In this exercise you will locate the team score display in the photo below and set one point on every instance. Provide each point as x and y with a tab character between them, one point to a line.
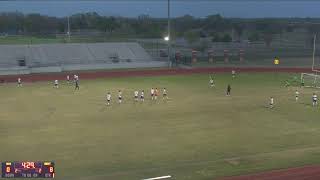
27	169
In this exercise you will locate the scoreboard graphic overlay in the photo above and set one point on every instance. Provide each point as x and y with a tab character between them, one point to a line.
27	169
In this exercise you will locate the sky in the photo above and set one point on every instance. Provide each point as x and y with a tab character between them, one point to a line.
158	8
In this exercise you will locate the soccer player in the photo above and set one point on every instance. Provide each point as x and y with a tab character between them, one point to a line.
68	79
314	99
271	102
164	93
297	95
287	83
156	93
228	90
211	82
233	72
108	98
142	96
302	82
76	82
152	93
56	83
120	96
19	82
136	94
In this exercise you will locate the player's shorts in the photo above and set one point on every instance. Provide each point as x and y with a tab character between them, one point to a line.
315	100
141	97
152	94
120	98
55	84
271	104
108	100
136	97
164	94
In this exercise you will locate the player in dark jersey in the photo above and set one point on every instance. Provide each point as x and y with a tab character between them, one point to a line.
228	90
76	85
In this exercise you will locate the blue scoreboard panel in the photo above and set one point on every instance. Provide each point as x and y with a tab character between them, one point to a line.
28	169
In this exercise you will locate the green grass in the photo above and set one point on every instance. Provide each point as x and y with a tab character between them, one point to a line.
199	134
61	39
29	40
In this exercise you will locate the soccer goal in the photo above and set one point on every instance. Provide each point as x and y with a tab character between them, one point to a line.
310	80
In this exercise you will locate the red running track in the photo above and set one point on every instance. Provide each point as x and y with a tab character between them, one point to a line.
301	173
135	73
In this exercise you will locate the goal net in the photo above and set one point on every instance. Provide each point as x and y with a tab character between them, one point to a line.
310	80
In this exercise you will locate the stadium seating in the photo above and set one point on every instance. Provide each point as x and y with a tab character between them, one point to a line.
11	55
44	55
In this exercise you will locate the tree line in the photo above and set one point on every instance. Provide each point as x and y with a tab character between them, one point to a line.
218	28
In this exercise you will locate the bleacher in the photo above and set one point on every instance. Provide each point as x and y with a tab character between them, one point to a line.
42	55
11	55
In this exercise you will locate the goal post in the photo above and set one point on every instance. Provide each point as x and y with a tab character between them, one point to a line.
313	68
310	80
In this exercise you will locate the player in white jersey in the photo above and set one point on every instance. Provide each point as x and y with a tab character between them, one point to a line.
271	104
297	95
75	78
142	96
56	83
314	99
120	96
233	72
19	82
152	93
211	82
68	79
136	94
164	93
108	98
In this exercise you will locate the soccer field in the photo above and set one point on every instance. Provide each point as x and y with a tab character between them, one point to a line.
198	134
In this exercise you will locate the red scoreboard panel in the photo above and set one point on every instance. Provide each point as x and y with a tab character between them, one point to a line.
28	169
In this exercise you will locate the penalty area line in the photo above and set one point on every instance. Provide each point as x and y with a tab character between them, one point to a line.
160	177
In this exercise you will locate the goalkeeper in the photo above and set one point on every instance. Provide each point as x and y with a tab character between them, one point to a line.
287	83
302	82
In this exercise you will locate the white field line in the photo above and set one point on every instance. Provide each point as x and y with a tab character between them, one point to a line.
160	177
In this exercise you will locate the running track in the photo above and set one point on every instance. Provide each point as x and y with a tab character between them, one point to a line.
300	173
137	73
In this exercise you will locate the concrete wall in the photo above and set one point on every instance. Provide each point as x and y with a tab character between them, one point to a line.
81	67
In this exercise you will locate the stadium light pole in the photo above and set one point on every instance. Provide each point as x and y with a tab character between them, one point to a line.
169	37
314	50
68	29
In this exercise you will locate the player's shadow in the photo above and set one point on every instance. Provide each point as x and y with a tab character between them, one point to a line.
306	104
